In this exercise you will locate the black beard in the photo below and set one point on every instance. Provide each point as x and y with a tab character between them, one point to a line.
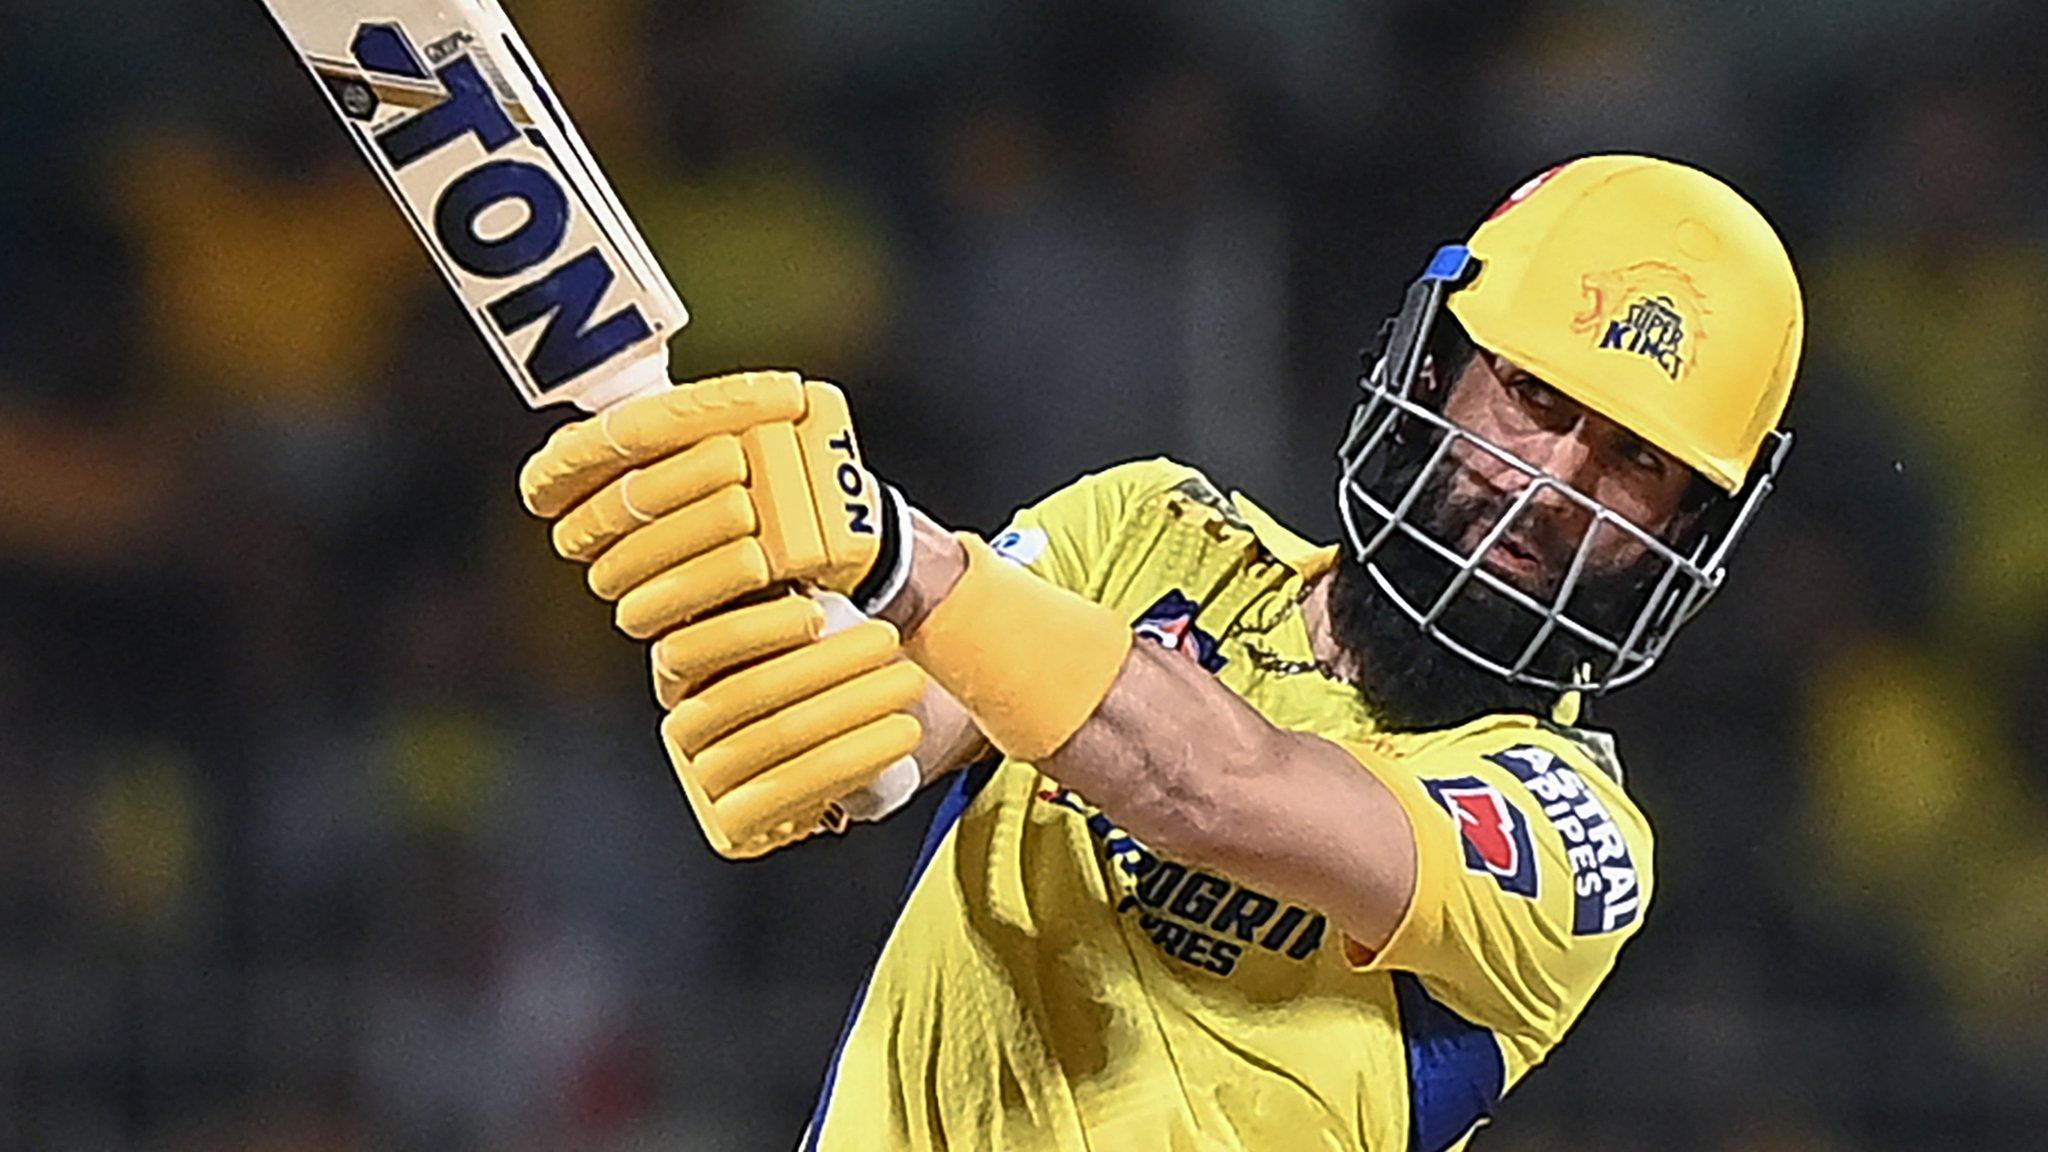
1410	682
1414	683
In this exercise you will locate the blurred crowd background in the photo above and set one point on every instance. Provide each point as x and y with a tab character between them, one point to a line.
332	815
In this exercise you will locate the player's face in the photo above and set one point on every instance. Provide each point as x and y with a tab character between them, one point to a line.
1509	407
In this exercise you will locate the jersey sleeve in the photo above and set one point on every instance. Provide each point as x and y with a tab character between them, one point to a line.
1533	870
1069	536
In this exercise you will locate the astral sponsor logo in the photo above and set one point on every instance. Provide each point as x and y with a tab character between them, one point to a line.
1606	890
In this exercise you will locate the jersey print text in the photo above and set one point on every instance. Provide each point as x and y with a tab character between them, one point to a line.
1199	919
1607	897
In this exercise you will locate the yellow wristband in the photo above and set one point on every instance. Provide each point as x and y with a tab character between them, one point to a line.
1030	660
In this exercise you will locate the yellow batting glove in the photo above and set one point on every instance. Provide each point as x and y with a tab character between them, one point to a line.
778	750
583	457
692	499
696	509
692	656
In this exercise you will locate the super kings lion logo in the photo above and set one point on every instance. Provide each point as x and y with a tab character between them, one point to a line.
1651	310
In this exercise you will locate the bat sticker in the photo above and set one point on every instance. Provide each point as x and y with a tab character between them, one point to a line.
447	105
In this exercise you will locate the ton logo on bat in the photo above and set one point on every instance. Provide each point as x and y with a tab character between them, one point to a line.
567	296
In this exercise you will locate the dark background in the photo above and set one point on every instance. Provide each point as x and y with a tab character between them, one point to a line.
332	815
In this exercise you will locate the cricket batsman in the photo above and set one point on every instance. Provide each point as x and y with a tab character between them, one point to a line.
1248	843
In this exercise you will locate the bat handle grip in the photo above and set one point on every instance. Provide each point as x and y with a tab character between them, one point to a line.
641	377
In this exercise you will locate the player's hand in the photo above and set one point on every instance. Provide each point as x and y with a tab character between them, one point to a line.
700	496
795	726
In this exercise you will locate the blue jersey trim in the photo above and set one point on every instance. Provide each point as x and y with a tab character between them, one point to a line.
966	787
1456	1074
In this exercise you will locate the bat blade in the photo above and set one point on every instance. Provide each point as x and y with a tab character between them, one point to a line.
446	103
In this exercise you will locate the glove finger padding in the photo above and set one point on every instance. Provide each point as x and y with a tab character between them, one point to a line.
780	683
642	496
820	510
780	779
778	484
643	488
681	536
783	735
715	645
581	458
725	574
796	799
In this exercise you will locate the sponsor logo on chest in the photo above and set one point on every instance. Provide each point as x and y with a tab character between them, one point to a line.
1171	624
1204	921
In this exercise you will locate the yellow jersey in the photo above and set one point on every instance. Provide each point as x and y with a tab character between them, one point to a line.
1053	984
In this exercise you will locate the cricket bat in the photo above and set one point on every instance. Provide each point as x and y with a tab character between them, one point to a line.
454	116
449	108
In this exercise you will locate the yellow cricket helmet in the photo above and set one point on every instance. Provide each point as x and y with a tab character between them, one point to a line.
1650	292
1653	294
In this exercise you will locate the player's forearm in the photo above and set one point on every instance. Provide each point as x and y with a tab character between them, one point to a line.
936	565
1187	766
951	741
